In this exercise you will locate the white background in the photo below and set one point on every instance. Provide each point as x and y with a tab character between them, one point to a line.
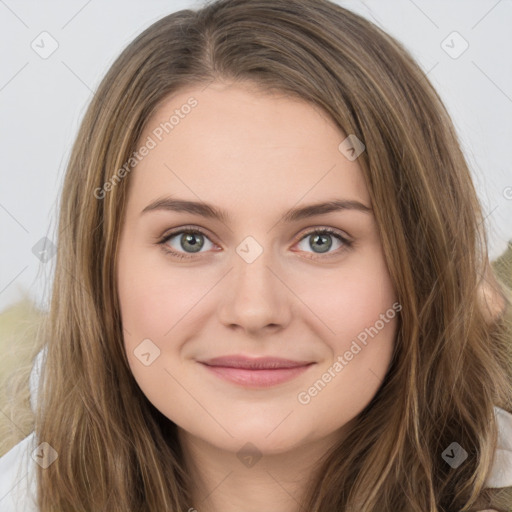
42	102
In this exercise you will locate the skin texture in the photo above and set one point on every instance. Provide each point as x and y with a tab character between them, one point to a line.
255	155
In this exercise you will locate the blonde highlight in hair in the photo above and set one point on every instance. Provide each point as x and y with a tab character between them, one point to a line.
452	359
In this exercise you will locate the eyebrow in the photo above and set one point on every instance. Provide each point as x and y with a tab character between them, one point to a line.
295	214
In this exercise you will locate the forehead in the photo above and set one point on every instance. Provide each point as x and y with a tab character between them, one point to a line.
233	144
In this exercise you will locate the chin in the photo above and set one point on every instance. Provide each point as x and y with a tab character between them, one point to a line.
268	437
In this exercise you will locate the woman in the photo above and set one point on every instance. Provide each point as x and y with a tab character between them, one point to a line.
201	354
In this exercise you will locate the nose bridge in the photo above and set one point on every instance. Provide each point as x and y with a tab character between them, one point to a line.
256	297
251	270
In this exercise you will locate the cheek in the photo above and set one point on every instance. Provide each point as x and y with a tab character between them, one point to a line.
351	299
142	313
359	315
364	316
150	307
157	307
140	302
152	298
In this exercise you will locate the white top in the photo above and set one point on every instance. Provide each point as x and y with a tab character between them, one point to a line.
17	466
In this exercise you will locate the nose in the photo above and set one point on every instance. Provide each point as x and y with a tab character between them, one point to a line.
254	297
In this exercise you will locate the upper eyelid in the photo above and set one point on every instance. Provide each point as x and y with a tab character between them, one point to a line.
186	229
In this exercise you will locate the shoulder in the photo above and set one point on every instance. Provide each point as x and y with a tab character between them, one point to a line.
18	478
501	473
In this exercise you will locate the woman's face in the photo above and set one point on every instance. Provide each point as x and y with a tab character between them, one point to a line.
256	282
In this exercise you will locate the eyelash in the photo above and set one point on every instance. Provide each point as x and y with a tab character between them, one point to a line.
163	242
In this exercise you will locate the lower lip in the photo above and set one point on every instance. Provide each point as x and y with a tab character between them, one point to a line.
257	378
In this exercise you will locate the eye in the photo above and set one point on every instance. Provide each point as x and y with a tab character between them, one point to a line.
322	239
190	240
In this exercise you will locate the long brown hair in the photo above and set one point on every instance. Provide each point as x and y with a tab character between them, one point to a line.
452	361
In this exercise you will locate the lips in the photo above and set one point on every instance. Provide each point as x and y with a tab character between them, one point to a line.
259	363
259	372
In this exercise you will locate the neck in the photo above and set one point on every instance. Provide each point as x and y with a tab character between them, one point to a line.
249	480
